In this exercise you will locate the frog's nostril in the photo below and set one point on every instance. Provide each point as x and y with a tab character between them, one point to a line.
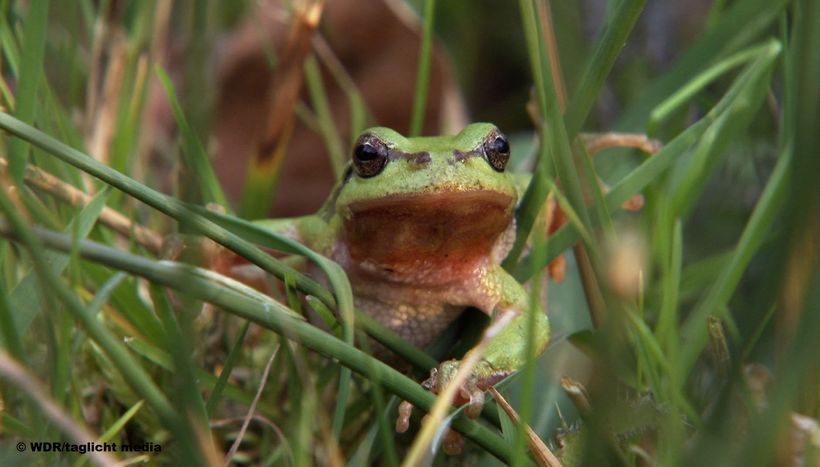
419	158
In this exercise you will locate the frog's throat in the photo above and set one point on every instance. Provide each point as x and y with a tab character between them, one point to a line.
443	233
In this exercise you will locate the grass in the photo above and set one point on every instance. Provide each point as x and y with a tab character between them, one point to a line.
710	348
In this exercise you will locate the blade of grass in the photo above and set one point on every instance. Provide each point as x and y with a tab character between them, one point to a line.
197	164
27	290
127	299
618	26
666	328
672	103
8	42
559	148
104	293
31	71
423	75
112	430
537	190
693	332
178	338
528	382
227	368
9	334
327	128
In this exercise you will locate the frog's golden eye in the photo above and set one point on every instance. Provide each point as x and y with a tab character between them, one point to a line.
497	151
369	156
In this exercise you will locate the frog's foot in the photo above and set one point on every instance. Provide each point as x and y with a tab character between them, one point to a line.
470	394
440	377
207	254
452	443
597	142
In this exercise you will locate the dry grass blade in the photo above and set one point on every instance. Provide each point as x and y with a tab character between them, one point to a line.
545	15
542	454
577	393
119	223
287	80
251	410
101	132
597	142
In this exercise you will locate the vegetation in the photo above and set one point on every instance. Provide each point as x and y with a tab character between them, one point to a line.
696	316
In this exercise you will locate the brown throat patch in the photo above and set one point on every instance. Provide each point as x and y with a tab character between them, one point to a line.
450	231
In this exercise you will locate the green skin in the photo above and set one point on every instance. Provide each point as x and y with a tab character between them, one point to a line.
424	238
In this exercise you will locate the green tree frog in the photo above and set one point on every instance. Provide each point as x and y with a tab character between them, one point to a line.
421	226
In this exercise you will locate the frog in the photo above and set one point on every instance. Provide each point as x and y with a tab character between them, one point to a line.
421	226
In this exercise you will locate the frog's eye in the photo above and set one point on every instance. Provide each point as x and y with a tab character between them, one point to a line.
497	152
369	156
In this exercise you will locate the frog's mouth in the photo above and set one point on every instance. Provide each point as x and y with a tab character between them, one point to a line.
444	230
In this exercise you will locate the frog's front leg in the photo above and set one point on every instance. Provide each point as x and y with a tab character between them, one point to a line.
206	253
503	348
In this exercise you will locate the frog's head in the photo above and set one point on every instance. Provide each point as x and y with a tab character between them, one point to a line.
405	199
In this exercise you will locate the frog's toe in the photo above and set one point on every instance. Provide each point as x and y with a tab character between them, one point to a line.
403	417
453	443
475	399
470	392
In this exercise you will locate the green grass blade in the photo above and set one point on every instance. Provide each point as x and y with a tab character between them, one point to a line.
178	337
31	72
693	331
618	26
8	42
327	128
553	135
700	81
227	368
27	290
666	328
112	430
9	334
423	75
538	189
196	162
104	293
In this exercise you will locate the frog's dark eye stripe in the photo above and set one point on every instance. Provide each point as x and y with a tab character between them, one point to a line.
369	156
497	151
